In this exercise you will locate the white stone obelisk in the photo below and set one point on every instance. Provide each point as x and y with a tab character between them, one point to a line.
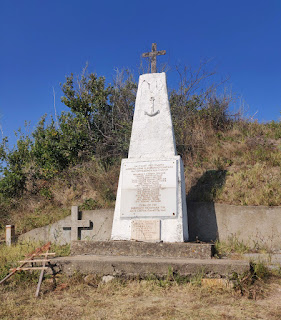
151	200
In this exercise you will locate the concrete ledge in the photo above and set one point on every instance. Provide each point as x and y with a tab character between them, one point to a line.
273	261
143	249
145	266
256	226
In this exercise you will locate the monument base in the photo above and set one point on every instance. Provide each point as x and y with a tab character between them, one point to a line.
151	204
141	260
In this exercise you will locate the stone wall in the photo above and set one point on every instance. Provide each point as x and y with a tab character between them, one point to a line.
99	230
207	222
251	224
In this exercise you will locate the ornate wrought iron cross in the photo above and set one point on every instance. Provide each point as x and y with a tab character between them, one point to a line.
152	55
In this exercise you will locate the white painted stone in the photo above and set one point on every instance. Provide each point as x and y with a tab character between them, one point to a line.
145	230
152	132
173	229
152	142
10	234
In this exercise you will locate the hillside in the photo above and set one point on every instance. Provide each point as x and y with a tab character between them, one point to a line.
75	159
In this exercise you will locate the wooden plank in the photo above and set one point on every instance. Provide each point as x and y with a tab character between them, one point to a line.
40	279
39	250
13	271
30	256
29	268
48	254
34	261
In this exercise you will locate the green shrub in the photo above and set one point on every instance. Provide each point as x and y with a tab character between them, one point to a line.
90	204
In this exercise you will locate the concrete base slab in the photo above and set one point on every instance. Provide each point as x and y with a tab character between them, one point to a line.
143	249
145	266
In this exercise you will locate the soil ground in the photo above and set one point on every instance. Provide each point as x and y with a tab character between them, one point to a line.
75	299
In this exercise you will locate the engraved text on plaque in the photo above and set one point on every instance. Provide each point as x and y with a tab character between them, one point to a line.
145	230
150	188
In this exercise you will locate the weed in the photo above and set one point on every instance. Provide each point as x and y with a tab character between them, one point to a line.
60	250
196	279
251	283
174	278
90	204
232	245
259	270
46	192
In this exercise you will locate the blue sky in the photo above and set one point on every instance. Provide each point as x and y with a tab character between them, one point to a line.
42	41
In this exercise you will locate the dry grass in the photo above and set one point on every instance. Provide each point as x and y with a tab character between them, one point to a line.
240	166
254	185
73	299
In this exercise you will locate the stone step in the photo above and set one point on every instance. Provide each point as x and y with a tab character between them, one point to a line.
271	260
143	249
146	266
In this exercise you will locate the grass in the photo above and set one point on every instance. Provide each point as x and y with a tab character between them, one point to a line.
9	256
231	246
235	248
73	299
240	166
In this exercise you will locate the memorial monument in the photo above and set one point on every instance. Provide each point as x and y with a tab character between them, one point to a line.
151	200
150	206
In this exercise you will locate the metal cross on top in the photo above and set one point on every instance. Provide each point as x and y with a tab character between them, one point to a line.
152	55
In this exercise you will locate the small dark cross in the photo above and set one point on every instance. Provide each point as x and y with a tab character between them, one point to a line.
152	55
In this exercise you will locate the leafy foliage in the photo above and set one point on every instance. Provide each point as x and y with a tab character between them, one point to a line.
16	159
98	126
54	149
105	112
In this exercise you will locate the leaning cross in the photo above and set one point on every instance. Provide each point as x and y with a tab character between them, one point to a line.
152	55
75	224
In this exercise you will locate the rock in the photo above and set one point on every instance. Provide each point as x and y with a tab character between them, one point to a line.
91	280
106	279
219	283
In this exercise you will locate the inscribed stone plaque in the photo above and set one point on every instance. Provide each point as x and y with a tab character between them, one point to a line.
145	230
149	189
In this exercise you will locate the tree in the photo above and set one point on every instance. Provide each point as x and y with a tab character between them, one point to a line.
106	110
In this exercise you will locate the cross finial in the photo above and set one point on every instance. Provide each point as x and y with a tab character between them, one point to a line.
152	55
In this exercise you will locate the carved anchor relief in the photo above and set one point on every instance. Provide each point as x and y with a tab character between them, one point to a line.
152	114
